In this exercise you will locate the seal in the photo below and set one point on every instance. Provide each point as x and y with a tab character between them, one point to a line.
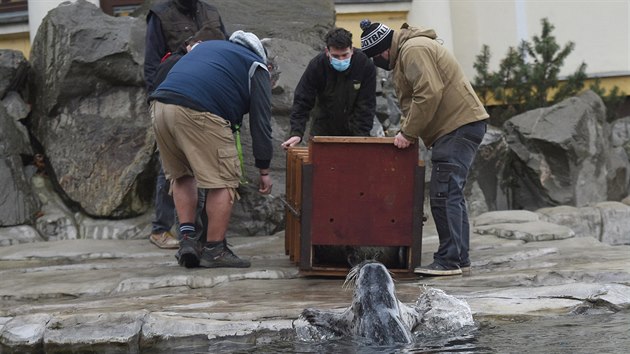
375	315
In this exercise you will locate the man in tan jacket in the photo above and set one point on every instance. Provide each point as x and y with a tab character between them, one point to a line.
439	106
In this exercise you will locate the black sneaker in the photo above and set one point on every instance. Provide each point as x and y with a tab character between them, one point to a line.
220	256
437	269
189	251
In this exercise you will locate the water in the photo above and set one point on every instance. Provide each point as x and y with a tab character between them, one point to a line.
604	333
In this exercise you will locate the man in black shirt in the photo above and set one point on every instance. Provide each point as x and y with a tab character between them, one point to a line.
337	89
169	24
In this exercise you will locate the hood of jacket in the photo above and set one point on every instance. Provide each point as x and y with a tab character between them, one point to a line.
405	33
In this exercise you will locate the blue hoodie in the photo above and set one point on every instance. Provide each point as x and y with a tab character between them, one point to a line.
228	80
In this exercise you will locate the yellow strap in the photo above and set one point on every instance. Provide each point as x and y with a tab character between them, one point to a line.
239	149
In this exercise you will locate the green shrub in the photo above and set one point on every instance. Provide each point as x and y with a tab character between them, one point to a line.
528	77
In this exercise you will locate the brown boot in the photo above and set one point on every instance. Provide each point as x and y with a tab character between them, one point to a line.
164	240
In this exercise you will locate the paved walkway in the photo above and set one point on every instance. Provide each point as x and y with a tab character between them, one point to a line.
98	292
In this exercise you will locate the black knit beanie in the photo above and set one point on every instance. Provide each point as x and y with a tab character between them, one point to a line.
376	38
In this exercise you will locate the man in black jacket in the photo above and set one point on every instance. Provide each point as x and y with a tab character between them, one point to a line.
169	24
338	89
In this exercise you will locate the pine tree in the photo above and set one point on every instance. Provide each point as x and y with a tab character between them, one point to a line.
483	80
529	74
612	100
547	60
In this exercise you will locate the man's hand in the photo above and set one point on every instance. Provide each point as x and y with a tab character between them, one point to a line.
294	140
265	184
401	142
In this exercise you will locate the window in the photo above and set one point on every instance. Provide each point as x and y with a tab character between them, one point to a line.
13	5
120	7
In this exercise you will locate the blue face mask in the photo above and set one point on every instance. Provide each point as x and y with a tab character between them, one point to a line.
340	65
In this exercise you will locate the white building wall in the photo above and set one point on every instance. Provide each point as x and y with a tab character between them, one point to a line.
434	14
600	30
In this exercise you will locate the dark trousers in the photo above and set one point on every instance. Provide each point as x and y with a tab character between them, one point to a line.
165	215
452	155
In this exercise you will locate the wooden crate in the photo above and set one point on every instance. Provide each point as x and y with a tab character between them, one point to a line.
296	158
353	193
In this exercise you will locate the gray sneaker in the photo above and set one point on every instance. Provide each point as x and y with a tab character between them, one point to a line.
436	269
221	256
189	251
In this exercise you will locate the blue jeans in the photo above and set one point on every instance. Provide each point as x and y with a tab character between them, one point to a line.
452	155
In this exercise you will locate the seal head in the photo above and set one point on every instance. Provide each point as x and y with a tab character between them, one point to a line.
378	312
375	316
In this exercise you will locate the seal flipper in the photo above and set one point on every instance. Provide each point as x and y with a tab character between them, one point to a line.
336	322
410	315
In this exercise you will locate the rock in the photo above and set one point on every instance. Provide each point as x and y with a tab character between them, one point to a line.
125	229
476	202
505	216
541	298
618	178
620	132
19	234
519	256
18	110
162	328
3	321
488	171
309	19
619	163
89	109
377	128
291	58
13	69
24	331
602	298
527	231
256	214
585	221
91	281
558	154
304	21
56	220
85	332
606	221
18	204
387	110
615	223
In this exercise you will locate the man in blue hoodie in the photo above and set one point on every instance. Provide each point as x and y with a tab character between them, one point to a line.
195	112
169	24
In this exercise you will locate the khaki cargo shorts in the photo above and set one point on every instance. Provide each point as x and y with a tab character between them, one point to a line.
198	144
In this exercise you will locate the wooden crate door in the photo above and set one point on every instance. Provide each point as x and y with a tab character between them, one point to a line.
362	192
